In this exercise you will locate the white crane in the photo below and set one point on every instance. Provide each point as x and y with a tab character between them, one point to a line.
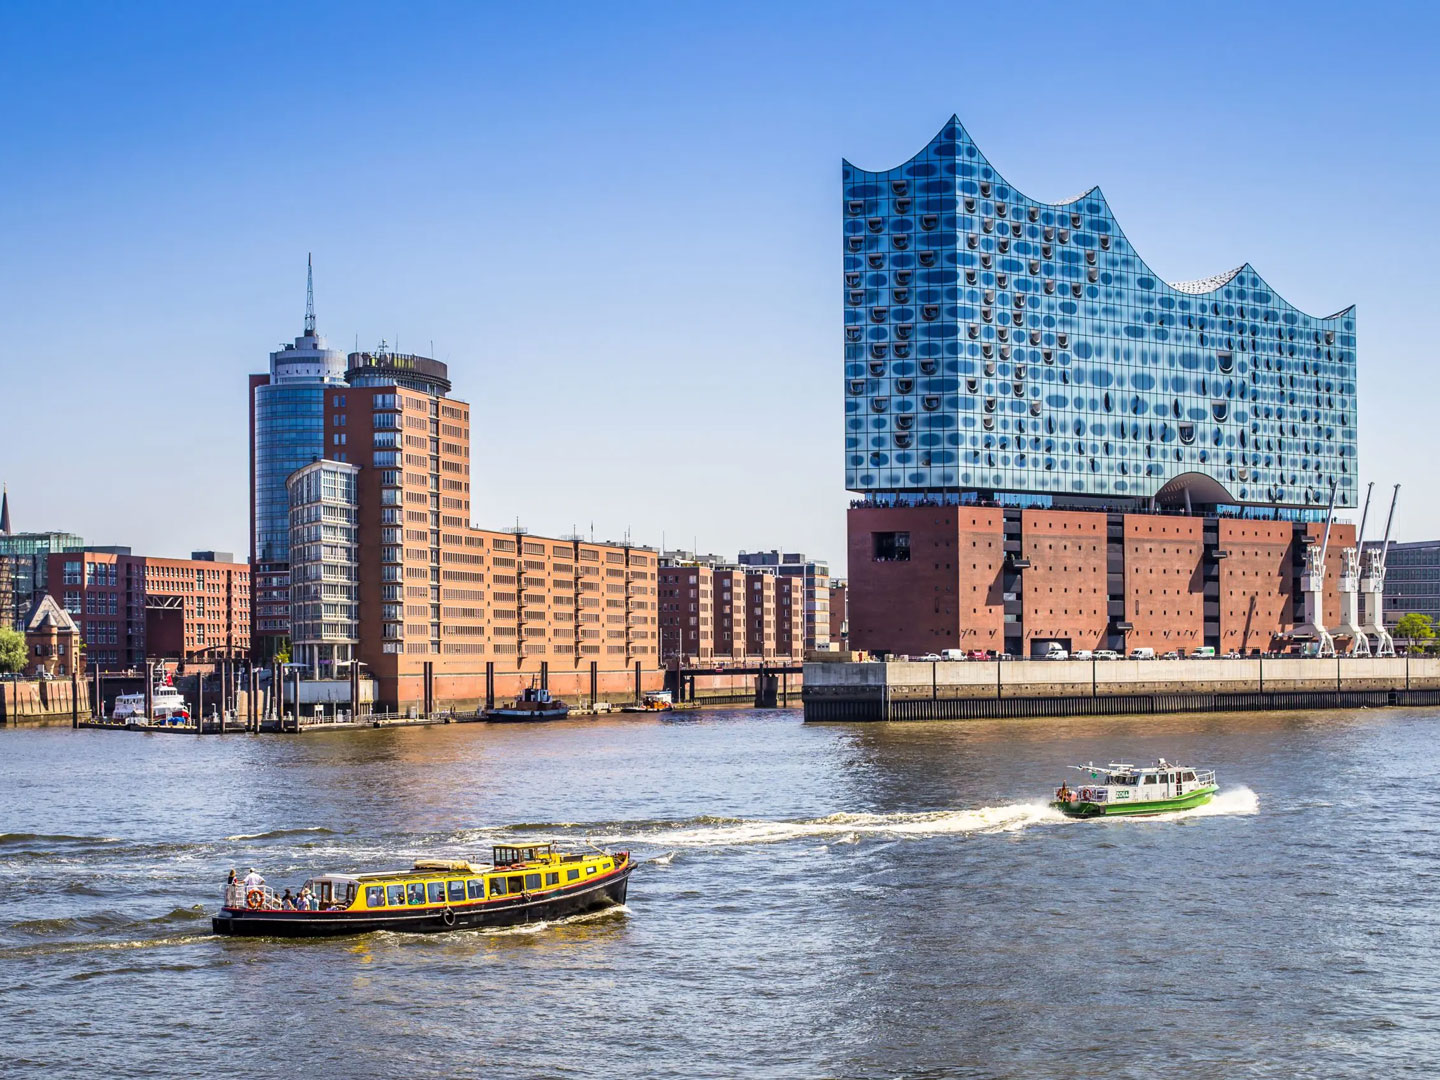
1372	587
1312	586
1350	588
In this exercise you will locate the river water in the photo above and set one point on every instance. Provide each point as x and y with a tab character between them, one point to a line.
890	900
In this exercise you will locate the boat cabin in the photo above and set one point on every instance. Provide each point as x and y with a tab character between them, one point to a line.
1122	782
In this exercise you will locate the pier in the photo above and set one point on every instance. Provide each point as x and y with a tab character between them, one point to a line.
973	690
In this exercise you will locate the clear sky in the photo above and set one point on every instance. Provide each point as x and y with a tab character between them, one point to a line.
619	225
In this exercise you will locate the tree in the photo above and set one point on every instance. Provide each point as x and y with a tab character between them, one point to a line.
1415	627
12	650
282	651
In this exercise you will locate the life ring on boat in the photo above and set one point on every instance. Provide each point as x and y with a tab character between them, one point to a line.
1086	795
447	917
255	899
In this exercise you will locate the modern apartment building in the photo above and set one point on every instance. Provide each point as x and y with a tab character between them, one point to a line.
1412	579
24	566
815	576
710	611
287	431
131	608
324	597
1051	444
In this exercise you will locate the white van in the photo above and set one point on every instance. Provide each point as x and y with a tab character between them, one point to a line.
952	654
1054	651
1205	652
1142	654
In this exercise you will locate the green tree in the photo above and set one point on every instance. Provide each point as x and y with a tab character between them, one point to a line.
282	651
12	650
1415	628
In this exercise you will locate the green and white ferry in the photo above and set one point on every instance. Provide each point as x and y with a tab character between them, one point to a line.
1119	788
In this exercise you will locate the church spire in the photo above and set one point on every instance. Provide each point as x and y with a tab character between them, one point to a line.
309	297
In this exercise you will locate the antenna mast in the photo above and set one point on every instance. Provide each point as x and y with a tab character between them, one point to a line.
309	297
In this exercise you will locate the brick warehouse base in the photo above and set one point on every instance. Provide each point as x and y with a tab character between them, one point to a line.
980	690
927	578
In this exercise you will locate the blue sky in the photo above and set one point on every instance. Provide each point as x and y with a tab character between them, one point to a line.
619	225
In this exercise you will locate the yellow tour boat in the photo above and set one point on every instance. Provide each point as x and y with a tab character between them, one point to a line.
522	884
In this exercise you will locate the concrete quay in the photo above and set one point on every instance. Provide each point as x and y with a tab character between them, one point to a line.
964	690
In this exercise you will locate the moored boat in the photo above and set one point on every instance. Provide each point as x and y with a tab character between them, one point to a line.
535	703
167	706
653	701
522	884
1121	788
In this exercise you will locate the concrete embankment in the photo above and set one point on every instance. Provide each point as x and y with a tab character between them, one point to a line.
956	690
42	701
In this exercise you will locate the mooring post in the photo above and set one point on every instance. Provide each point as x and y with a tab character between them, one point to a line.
199	703
595	681
490	684
638	693
74	690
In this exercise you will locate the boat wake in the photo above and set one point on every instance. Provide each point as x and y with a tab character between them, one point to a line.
276	834
1239	800
838	828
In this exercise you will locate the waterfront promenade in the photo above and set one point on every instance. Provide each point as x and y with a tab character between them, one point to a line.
916	690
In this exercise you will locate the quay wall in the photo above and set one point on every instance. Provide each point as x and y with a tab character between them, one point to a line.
41	701
976	689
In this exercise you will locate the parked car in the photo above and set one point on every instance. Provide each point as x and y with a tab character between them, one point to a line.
1171	655
979	654
1232	655
1106	654
929	658
1082	654
1142	654
1004	656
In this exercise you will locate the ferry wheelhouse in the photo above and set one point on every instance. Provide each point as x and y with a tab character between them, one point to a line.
1121	788
522	884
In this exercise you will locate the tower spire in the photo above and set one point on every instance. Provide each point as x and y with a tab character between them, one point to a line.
309	296
5	512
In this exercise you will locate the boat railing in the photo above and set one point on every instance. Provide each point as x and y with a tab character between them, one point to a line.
1205	776
237	896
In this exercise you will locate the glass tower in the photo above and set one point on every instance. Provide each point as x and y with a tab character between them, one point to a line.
287	432
996	346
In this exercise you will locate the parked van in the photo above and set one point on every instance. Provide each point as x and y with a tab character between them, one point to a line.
1054	651
1142	654
1082	654
1205	652
952	654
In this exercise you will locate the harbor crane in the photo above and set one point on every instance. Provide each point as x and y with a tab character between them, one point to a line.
1372	587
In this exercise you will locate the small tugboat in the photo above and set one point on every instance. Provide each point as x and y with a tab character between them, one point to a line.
522	884
534	704
1119	788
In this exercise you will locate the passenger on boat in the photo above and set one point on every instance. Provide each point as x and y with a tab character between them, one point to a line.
230	881
287	902
253	880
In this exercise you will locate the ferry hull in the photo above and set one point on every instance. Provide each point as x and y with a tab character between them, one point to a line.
590	896
1136	809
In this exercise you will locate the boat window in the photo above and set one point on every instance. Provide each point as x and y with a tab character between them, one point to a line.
437	892
497	886
572	875
375	896
532	881
394	895
455	891
415	892
1170	778
1149	778
477	888
1188	775
552	879
589	869
516	884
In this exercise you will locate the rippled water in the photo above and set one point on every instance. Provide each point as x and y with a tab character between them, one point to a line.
847	901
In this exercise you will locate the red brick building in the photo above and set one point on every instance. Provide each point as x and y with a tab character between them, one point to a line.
926	578
133	607
732	613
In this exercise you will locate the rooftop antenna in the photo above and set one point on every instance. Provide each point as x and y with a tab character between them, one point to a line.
309	296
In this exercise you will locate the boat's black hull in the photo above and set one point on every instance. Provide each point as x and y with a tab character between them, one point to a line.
582	898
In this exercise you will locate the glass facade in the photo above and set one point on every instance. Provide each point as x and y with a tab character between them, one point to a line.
24	561
1412	579
289	434
997	344
324	605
